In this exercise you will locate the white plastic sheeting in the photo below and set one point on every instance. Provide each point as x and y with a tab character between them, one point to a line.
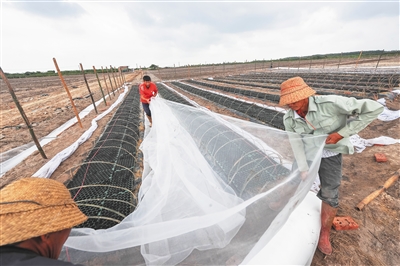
17	155
389	115
300	244
360	144
47	169
215	186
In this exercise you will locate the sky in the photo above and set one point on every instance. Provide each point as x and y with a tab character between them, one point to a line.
168	33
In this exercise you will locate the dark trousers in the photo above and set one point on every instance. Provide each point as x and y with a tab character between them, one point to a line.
330	175
146	108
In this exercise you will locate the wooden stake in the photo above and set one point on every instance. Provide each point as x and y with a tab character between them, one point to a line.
376	193
112	73
112	89
69	94
105	81
340	59
21	111
87	85
358	58
101	89
120	77
379	59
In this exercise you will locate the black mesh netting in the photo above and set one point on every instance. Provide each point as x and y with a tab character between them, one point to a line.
247	109
103	186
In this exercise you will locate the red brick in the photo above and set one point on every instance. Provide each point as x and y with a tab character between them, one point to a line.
380	157
344	223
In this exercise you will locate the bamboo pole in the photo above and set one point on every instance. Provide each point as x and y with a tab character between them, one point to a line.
376	193
340	59
123	76
112	88
21	111
87	85
69	94
101	89
113	78
112	73
379	59
358	58
116	77
175	71
120	77
105	81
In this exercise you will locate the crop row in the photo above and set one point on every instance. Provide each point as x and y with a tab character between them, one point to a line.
246	109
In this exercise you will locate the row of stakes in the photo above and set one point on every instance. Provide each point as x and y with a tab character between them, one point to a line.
120	77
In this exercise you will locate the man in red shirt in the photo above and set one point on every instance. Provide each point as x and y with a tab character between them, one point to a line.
147	90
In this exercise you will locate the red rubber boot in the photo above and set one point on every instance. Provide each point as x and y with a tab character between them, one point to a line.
328	213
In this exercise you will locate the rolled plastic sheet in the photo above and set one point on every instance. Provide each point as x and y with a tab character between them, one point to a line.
214	187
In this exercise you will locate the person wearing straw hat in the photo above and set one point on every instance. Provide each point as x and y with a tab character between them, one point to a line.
147	90
36	217
336	116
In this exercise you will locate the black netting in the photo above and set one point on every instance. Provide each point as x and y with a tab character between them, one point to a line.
103	186
247	109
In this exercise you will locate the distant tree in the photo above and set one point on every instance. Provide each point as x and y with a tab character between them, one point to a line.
153	67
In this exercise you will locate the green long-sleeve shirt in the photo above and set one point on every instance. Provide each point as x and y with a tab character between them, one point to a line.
329	114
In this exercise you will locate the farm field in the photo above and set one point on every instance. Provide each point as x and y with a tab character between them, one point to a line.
374	243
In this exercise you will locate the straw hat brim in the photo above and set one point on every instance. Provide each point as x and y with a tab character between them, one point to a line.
296	95
20	226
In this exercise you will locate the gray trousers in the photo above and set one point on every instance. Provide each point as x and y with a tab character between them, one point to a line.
330	175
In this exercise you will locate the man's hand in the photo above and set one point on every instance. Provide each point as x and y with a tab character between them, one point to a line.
333	138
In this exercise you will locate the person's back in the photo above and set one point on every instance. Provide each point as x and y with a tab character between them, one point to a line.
36	216
13	255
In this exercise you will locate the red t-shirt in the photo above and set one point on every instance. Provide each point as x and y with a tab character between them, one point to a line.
147	93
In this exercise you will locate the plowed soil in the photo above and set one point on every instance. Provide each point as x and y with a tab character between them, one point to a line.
47	106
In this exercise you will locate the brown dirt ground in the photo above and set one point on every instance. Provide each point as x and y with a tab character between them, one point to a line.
376	242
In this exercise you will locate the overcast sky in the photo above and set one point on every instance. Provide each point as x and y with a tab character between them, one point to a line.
141	33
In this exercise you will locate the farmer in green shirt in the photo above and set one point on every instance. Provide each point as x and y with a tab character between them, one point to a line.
336	116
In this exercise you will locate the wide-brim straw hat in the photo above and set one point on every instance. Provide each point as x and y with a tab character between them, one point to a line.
32	207
294	90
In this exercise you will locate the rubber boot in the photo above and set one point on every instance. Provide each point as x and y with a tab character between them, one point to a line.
151	122
328	213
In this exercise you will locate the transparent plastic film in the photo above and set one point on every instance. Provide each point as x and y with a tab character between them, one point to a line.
214	185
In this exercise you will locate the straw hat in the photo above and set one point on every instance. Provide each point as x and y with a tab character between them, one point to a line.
294	90
32	207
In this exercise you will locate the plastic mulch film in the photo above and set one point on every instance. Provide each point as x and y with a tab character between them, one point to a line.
213	186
